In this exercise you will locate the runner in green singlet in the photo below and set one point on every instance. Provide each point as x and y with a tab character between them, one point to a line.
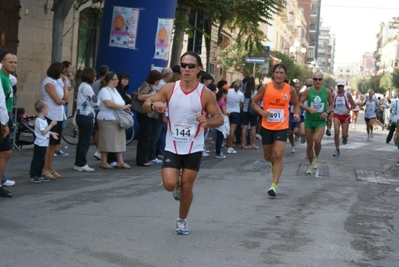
319	105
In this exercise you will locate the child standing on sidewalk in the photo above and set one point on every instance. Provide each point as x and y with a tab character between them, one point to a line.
42	133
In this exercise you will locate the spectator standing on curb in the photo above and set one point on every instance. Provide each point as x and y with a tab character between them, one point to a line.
394	116
9	65
42	134
234	104
102	70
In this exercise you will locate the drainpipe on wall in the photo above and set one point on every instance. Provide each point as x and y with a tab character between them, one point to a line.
317	31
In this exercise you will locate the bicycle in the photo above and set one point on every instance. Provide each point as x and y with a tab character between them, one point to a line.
70	134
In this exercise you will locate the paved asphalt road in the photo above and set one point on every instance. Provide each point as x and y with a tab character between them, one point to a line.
345	214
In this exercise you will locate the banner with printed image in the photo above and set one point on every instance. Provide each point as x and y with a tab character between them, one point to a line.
163	38
124	27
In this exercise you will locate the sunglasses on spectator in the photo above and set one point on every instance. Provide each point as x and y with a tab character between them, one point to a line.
317	79
308	85
189	65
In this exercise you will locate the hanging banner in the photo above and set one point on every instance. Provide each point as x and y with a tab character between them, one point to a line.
163	38
124	27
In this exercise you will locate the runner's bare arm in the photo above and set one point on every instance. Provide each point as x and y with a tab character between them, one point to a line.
256	100
304	97
157	102
353	104
212	108
294	100
330	101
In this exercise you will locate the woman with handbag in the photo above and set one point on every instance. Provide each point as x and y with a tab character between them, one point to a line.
146	121
86	101
111	136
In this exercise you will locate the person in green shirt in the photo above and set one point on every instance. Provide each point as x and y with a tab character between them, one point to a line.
319	105
9	65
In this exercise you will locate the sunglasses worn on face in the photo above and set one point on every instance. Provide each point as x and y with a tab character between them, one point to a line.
317	79
308	85
189	65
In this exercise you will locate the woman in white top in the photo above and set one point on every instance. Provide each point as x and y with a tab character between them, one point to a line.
56	96
111	136
86	101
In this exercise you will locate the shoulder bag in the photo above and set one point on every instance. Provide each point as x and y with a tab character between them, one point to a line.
124	118
137	105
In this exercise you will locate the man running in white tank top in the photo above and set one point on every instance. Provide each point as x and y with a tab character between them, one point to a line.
343	104
188	102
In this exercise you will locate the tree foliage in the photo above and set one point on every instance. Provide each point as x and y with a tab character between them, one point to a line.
243	16
329	81
385	82
395	78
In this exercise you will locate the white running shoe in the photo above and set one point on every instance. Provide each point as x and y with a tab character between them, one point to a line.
371	134
231	150
97	155
9	183
316	163
309	170
204	154
293	149
85	168
258	136
181	227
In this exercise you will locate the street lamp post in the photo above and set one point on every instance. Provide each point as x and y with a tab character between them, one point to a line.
296	50
313	66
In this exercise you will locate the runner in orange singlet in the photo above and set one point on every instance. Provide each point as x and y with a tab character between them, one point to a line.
276	96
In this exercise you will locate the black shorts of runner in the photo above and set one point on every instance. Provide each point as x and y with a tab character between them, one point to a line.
56	129
5	144
269	136
294	124
189	161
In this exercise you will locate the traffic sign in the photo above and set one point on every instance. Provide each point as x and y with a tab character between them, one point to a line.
256	60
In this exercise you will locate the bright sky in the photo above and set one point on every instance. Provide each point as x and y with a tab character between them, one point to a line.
355	24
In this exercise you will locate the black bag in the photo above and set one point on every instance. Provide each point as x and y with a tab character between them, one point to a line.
137	105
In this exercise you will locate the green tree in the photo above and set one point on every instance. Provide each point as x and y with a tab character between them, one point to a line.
374	83
243	16
385	82
329	81
395	78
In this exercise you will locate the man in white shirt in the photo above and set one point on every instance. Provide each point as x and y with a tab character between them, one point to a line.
235	101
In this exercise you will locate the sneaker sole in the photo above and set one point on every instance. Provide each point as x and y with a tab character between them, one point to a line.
271	193
181	232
